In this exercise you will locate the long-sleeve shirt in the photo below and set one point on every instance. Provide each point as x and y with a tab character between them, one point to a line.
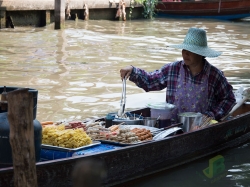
221	98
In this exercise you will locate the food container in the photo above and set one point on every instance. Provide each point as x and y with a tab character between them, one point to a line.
129	121
162	110
150	122
188	119
109	119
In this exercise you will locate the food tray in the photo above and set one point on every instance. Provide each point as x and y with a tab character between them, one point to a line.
152	129
94	143
122	144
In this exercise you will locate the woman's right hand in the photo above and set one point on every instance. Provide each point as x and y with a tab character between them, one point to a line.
125	72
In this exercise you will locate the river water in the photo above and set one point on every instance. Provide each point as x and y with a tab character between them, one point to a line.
76	73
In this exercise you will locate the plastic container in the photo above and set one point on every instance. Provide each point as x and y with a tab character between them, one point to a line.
163	111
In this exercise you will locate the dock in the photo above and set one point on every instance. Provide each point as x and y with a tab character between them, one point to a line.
39	13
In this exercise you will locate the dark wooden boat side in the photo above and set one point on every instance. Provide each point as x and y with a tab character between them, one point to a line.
227	9
139	160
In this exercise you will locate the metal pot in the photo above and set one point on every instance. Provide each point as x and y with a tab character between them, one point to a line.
150	122
130	121
189	118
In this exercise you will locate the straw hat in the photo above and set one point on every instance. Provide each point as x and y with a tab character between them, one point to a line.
196	42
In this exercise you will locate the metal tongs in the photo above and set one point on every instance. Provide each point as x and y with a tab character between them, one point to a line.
123	99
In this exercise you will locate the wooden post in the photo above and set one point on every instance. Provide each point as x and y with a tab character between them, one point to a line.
59	14
45	18
2	17
86	12
20	116
48	17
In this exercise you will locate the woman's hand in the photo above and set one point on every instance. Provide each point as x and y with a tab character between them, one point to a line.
125	72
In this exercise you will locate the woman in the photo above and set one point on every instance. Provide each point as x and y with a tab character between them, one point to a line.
193	84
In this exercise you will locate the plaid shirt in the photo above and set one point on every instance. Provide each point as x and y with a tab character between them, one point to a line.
220	93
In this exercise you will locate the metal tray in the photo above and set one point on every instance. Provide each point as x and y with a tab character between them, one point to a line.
123	144
166	133
94	143
152	129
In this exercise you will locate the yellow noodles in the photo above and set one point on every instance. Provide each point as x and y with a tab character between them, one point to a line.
69	138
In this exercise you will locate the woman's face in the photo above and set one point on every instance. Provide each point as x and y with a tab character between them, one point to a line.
191	59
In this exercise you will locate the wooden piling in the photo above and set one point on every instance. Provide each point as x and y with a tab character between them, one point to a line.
59	14
20	116
67	11
2	17
86	12
45	18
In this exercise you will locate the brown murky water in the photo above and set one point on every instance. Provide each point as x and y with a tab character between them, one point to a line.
76	70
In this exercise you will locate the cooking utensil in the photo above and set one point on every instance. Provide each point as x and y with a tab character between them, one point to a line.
140	115
158	118
245	96
165	133
151	122
157	131
123	99
188	118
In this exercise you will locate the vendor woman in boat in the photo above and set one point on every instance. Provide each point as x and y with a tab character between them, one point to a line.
193	84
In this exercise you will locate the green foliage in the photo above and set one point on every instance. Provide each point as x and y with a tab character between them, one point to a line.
140	1
148	6
131	9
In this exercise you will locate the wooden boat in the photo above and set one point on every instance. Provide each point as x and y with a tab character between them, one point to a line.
143	159
212	9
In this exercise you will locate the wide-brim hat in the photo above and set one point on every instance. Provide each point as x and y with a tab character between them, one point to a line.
196	42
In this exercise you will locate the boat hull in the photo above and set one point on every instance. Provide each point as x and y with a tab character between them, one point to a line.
227	9
140	160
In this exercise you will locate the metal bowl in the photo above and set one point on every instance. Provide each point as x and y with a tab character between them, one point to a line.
150	122
130	121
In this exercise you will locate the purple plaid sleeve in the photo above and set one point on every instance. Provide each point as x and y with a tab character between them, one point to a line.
221	97
157	80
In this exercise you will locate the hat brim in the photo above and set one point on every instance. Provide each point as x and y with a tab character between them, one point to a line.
203	51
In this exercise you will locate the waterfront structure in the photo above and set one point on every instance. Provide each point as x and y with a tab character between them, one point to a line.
39	13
